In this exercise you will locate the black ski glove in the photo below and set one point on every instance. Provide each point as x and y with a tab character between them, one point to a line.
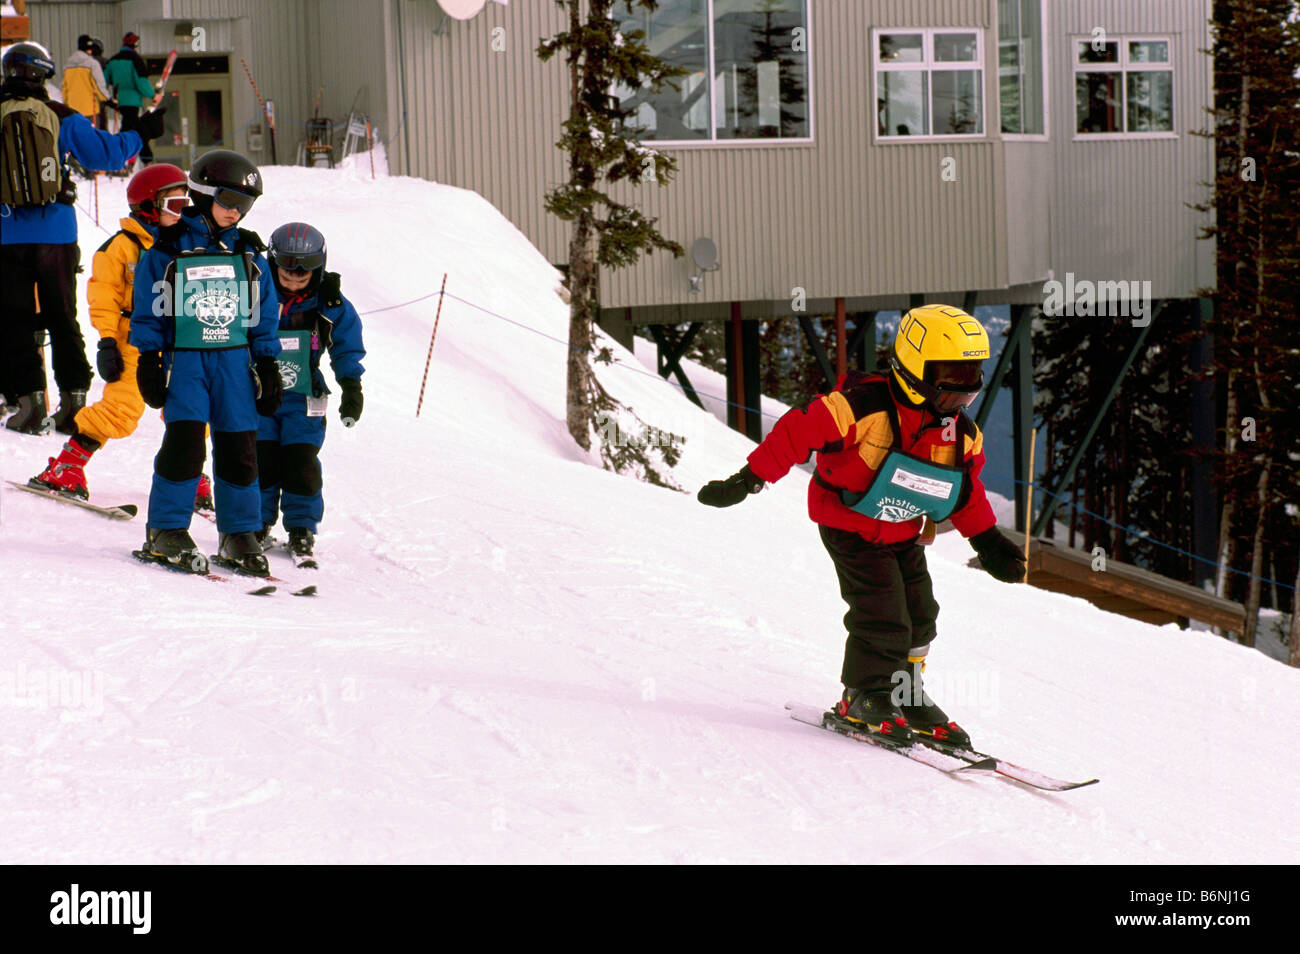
999	556
729	492
350	406
270	389
109	360
150	125
151	378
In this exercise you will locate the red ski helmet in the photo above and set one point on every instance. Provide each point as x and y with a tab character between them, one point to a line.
142	191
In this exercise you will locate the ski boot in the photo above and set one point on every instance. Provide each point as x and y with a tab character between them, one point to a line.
65	473
174	548
242	553
875	711
65	418
927	720
264	538
203	495
31	416
300	545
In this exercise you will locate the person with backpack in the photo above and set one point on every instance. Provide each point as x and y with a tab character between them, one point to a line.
38	242
314	318
896	453
84	88
128	74
157	195
204	320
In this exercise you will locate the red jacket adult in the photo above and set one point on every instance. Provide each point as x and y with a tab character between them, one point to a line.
851	432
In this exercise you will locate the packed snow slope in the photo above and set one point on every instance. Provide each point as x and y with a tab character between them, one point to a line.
519	657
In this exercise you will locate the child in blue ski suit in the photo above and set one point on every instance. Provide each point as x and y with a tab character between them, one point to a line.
204	322
314	318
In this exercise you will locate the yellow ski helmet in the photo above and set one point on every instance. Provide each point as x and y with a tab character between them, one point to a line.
938	356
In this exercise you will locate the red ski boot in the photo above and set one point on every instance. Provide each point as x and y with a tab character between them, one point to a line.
65	473
203	495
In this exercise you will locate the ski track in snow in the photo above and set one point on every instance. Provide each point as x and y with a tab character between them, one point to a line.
517	657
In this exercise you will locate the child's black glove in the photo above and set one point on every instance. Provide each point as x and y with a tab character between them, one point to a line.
109	360
151	378
150	125
350	406
999	556
270	389
729	492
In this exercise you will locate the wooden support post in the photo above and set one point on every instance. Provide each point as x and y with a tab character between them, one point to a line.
823	362
1205	510
841	341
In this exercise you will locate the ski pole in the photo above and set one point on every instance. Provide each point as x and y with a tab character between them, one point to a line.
419	404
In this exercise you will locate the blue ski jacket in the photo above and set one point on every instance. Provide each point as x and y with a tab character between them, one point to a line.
155	332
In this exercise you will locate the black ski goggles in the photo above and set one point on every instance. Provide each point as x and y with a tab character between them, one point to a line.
227	198
953	384
299	262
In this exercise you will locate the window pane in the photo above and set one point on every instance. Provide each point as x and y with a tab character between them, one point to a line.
1150	101
901	48
762	68
678	31
1148	51
955	47
1097	102
904	106
1031	66
1091	52
958	103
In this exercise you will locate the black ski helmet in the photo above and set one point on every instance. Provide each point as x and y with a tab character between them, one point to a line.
296	247
227	177
29	62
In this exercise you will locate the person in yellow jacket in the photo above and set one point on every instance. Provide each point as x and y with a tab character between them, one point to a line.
156	195
84	87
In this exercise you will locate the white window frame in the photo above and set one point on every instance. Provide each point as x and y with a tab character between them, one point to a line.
929	65
713	142
1044	14
1123	67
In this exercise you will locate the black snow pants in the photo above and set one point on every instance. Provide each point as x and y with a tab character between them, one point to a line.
51	272
892	609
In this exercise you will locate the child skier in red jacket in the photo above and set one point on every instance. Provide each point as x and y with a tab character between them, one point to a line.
894	450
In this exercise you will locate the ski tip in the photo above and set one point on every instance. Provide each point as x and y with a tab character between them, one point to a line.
262	591
129	509
306	591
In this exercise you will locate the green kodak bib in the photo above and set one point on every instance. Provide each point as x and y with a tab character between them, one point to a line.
907	487
295	361
213	302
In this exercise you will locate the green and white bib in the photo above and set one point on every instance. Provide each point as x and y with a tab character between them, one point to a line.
907	487
213	301
295	361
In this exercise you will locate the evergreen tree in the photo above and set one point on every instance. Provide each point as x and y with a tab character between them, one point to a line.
1256	50
603	148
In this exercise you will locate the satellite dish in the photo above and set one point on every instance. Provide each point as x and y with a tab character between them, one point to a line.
462	9
705	254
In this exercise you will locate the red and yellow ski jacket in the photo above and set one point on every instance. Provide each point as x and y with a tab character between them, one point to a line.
851	432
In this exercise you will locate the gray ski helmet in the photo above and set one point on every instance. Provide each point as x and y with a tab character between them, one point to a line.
28	61
297	246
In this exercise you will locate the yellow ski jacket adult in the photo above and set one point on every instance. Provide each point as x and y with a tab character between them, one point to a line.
84	87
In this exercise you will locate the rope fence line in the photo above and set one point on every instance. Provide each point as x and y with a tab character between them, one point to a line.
1033	487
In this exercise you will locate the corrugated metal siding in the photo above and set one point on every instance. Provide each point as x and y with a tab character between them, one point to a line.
56	26
839	217
348	59
1121	209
